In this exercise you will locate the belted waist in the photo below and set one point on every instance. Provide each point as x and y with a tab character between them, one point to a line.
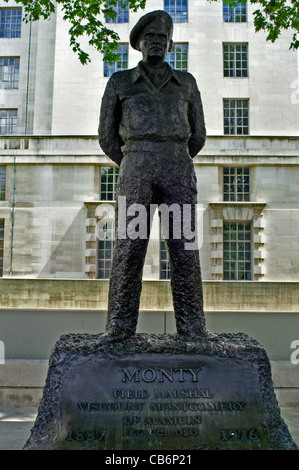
154	146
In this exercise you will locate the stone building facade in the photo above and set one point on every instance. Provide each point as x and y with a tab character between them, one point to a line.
56	183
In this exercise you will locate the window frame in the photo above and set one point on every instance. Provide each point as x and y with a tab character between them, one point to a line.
236	116
2	182
10	29
11	122
122	13
232	70
231	15
13	73
238	241
231	192
171	57
177	9
164	266
105	182
2	232
104	263
117	66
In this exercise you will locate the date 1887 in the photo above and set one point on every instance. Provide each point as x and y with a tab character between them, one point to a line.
89	435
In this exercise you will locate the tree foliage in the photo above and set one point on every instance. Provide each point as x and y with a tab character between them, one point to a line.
86	18
274	16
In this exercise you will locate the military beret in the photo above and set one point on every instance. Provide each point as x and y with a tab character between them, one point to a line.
146	20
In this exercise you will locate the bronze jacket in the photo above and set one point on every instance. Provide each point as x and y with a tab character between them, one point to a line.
134	110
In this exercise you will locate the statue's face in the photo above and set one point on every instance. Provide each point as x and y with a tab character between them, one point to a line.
154	42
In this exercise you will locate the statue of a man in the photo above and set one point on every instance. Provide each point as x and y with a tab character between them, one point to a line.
152	125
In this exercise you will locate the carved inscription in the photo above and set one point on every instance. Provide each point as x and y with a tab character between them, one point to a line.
163	432
161	375
90	435
180	403
200	406
161	420
85	406
239	434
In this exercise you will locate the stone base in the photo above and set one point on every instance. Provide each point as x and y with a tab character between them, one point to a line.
159	392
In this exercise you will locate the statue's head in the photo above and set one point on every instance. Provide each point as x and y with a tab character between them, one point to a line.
152	35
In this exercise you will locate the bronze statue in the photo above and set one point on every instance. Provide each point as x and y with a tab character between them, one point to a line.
152	125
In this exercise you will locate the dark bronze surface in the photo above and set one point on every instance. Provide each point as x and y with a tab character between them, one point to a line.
152	125
159	392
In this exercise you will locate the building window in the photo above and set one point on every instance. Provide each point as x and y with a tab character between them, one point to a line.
177	9
164	261
2	182
237	251
231	224
1	245
109	177
178	57
9	72
10	22
237	14
236	116
105	251
121	64
122	10
8	121
236	184
235	60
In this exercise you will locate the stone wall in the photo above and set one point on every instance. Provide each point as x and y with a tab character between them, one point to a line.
270	84
226	296
64	96
36	312
57	191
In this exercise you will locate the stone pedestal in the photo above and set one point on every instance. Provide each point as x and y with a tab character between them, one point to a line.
159	392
